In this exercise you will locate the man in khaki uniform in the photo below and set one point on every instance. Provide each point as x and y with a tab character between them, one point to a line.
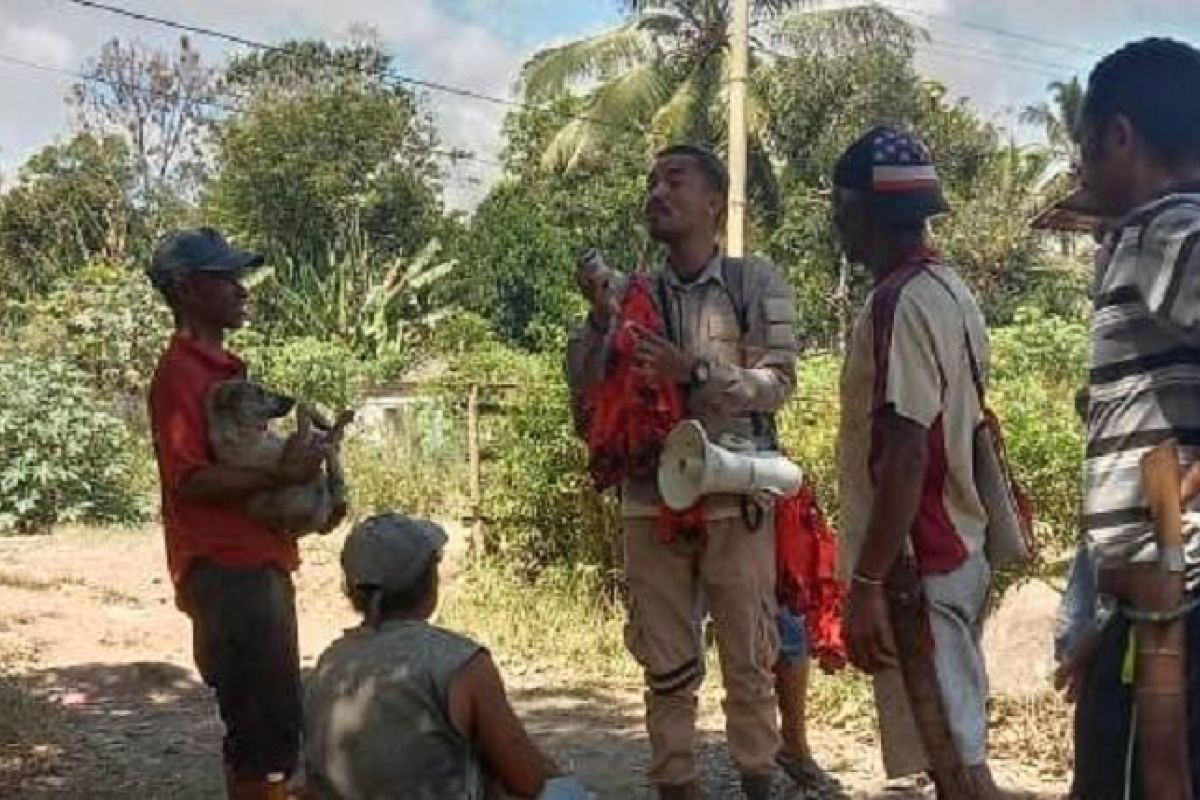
731	345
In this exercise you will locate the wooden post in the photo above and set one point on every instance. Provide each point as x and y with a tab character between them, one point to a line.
739	75
841	299
476	479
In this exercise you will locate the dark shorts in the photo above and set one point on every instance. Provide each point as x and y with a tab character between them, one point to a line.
245	646
793	637
1104	761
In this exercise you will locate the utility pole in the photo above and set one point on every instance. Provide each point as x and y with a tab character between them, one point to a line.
739	75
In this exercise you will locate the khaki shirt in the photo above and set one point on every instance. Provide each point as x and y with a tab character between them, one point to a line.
754	373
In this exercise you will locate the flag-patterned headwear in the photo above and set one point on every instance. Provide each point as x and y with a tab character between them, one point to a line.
896	169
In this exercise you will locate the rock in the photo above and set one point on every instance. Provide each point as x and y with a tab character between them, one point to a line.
1018	641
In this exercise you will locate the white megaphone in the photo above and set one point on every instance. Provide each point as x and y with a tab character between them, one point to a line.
691	467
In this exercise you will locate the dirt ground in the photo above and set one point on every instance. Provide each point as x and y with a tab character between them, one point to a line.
100	645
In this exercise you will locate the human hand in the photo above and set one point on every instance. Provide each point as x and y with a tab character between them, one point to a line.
660	358
1072	673
870	644
302	458
594	279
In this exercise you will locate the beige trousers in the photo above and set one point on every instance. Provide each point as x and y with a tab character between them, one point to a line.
731	572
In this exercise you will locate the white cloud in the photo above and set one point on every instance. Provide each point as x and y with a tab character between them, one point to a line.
480	44
39	44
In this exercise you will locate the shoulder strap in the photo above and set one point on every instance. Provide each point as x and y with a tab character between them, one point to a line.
976	373
664	306
733	274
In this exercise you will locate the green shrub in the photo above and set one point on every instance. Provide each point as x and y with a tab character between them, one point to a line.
325	372
808	426
1039	363
65	456
107	322
413	461
542	508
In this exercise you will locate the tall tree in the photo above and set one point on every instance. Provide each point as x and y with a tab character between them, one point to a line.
522	240
664	73
1058	118
71	204
327	145
161	102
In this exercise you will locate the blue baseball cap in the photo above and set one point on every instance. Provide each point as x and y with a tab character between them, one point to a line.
198	250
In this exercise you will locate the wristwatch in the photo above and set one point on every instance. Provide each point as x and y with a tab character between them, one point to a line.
1170	559
701	372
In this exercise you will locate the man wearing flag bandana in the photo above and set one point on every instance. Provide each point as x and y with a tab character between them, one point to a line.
912	520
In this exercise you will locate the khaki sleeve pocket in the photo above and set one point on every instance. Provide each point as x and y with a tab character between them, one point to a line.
780	315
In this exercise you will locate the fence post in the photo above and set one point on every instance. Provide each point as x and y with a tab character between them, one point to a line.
476	487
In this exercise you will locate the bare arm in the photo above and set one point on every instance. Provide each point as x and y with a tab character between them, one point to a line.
900	476
300	462
224	485
480	710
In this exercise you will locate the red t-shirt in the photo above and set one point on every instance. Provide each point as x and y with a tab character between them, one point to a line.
223	534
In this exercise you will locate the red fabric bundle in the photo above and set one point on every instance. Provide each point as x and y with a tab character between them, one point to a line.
630	414
806	560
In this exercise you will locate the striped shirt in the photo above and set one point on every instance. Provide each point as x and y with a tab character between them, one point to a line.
1145	374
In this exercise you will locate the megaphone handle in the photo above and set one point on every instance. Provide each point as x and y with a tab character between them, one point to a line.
753	513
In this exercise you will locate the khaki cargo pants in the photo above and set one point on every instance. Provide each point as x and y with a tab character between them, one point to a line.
732	574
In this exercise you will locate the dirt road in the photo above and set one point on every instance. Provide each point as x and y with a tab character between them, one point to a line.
102	648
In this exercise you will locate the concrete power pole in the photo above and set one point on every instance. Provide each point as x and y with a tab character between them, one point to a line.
739	75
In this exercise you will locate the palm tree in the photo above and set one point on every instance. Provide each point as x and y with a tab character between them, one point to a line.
663	73
1059	119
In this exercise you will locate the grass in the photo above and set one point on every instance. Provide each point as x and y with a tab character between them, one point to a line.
29	583
559	623
559	628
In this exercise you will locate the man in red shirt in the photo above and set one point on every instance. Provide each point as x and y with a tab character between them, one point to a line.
231	572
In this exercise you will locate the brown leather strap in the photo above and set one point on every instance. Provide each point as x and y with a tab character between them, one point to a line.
914	641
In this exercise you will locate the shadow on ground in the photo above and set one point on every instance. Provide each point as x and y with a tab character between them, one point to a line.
148	730
132	731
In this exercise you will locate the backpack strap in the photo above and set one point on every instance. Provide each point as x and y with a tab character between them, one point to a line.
664	307
733	276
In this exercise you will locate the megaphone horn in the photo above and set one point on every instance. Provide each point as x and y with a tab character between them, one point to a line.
691	467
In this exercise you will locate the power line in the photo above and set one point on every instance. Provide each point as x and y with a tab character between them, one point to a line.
1057	67
995	30
395	76
452	154
959	52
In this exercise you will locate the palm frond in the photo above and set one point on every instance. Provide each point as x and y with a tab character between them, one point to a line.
628	102
570	140
684	116
553	72
842	30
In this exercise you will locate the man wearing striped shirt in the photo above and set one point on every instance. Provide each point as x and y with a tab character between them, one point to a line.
1139	139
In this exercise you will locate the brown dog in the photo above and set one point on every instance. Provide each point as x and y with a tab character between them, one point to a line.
240	413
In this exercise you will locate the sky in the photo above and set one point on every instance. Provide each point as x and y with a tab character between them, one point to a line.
1000	55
